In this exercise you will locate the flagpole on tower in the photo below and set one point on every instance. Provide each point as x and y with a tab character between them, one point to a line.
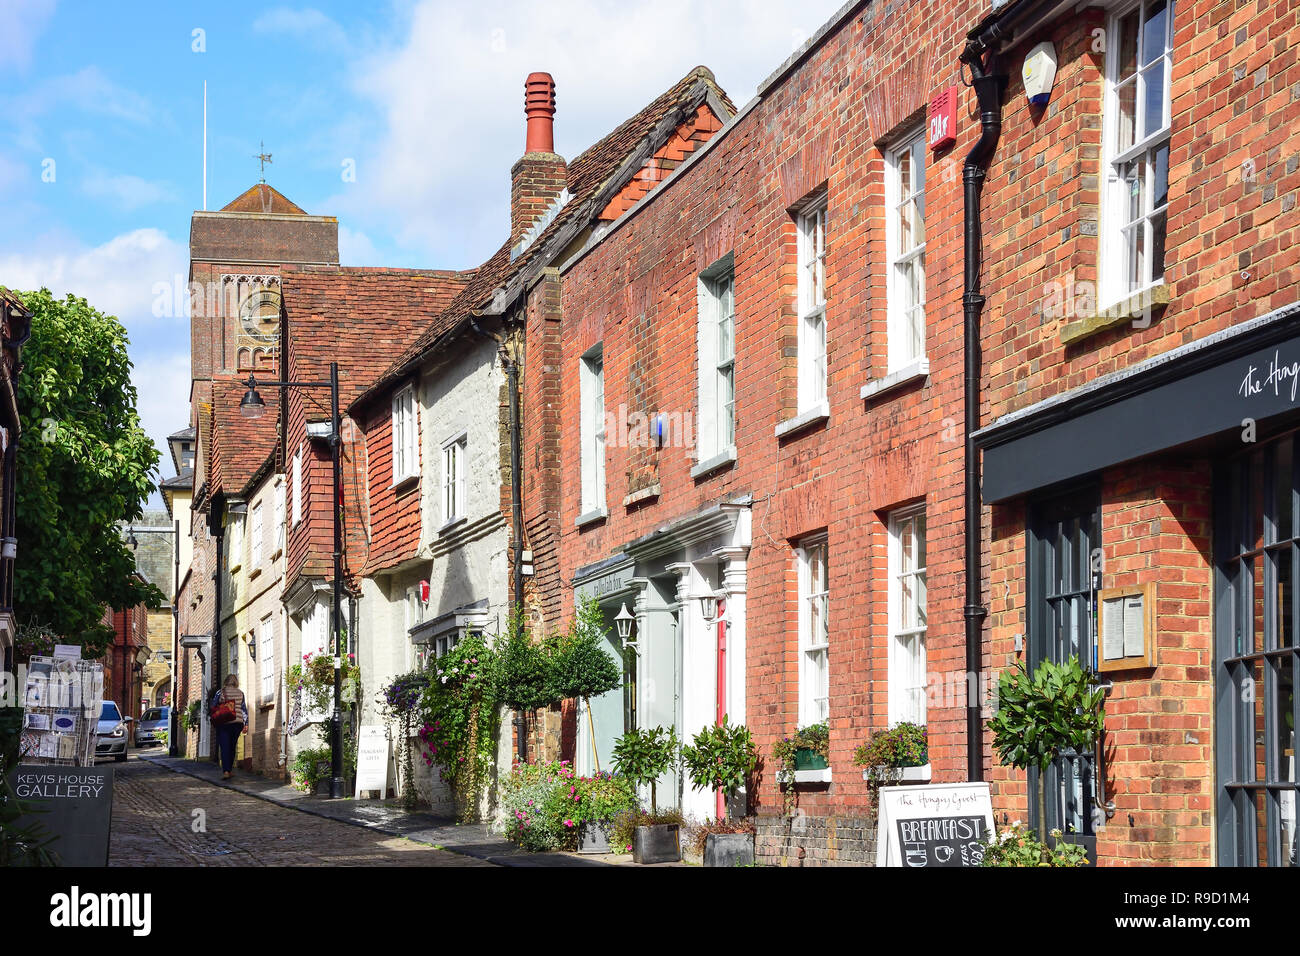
205	144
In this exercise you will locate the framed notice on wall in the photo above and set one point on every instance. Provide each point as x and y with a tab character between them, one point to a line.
942	825
1126	628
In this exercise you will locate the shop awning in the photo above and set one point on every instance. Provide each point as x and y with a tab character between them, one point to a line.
1249	372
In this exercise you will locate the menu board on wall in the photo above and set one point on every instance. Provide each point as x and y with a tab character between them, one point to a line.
941	825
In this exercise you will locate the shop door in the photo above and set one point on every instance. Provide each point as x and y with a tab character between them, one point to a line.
1257	623
601	718
1063	531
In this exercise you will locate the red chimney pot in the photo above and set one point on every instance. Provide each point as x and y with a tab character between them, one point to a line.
539	107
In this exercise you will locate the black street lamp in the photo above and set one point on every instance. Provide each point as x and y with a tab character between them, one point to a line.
252	406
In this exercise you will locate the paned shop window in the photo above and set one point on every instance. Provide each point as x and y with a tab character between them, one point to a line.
1139	60
717	358
907	616
814	634
592	387
812	303
905	246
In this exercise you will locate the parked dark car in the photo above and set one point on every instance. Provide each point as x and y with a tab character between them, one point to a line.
154	721
113	732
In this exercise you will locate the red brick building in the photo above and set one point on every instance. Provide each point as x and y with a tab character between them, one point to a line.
1139	343
780	375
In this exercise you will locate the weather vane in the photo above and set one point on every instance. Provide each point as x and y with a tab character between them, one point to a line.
262	158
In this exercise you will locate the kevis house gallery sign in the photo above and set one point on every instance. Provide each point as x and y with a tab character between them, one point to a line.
72	804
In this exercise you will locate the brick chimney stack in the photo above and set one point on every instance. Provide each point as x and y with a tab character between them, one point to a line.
540	175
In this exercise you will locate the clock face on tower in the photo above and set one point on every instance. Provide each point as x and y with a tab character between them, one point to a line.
259	315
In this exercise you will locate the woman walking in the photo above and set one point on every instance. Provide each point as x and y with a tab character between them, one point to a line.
229	714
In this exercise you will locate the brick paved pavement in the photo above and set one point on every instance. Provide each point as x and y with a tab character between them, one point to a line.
153	825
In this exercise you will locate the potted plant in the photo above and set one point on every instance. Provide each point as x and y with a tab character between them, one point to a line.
812	747
598	800
578	666
643	756
893	756
722	758
1059	708
803	758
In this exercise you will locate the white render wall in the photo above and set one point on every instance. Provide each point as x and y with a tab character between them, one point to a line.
465	562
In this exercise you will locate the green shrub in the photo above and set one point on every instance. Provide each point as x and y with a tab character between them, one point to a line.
721	757
1018	846
643	756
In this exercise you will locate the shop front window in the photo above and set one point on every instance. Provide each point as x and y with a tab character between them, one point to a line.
1256	655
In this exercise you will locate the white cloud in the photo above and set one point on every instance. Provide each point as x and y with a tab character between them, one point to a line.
307	24
451	97
356	249
120	277
126	191
88	90
21	24
162	384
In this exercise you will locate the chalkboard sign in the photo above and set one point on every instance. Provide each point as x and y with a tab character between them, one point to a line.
72	804
939	825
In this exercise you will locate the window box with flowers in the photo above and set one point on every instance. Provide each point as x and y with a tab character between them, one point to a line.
900	754
803	758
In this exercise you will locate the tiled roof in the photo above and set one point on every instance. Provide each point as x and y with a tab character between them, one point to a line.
265	199
360	317
240	445
589	176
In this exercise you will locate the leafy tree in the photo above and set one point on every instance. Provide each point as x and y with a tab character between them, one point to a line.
86	465
643	756
523	668
721	757
1059	708
580	667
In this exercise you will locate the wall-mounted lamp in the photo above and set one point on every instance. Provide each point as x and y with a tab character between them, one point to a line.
624	621
8	548
709	606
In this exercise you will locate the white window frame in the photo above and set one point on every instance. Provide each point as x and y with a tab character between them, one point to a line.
233	655
279	517
266	660
906	318
235	541
413	614
592	388
454	450
907	631
406	451
1117	267
297	486
814	636
812	300
716	342
255	540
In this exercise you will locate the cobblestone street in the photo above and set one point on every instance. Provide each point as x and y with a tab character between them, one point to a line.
155	824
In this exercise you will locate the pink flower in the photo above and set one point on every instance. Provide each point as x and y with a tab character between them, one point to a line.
568	823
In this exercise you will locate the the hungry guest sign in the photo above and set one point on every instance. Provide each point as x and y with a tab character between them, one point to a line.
938	825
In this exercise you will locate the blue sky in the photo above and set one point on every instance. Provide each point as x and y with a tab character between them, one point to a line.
101	138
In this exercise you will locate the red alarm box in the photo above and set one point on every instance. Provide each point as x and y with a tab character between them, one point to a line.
424	592
942	117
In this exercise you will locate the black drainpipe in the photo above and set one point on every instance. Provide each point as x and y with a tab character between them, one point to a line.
988	93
